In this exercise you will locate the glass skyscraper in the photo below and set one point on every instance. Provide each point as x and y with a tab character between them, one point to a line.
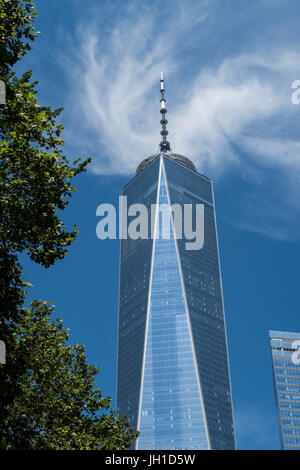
286	371
173	378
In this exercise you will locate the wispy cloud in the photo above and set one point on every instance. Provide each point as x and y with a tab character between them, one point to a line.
231	112
114	78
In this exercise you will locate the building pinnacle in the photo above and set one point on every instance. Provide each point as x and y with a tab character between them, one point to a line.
164	145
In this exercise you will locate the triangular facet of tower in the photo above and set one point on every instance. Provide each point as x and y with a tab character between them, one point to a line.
171	399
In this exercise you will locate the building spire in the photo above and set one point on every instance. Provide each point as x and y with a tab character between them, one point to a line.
164	145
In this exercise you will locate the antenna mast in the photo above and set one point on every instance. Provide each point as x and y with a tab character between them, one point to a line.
164	145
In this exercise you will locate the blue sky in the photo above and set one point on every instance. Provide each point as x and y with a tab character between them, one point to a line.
229	67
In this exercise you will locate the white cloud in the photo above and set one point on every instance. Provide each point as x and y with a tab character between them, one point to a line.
114	79
117	83
236	112
275	152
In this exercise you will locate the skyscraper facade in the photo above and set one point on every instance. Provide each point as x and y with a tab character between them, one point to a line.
173	378
286	373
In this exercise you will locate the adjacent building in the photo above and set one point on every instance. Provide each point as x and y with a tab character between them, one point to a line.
286	371
173	379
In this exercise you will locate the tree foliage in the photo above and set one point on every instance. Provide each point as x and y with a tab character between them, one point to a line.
16	31
48	396
56	404
35	175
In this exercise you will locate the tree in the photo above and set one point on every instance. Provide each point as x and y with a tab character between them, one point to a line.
48	398
35	175
56	405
